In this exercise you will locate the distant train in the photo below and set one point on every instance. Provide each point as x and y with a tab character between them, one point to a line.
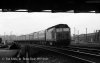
58	35
91	40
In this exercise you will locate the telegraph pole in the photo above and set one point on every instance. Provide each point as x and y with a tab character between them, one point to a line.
74	33
4	38
11	36
74	30
78	35
86	34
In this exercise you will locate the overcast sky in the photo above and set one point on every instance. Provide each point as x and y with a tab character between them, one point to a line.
24	23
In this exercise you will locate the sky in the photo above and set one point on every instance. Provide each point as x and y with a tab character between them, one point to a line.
19	23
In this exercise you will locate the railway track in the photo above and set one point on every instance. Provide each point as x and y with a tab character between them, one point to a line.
89	51
86	55
87	58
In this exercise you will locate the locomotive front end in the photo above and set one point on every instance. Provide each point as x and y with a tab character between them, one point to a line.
63	36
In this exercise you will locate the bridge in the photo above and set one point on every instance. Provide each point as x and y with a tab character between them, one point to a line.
75	6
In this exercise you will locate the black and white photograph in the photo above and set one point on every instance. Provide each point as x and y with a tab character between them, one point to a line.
50	31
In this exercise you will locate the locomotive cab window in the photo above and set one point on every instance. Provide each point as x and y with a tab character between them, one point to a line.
59	30
65	29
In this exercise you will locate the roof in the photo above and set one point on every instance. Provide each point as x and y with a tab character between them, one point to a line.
59	26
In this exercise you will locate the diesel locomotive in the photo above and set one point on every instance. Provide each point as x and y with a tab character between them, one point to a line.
58	35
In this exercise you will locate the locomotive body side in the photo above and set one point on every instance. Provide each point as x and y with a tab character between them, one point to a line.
50	35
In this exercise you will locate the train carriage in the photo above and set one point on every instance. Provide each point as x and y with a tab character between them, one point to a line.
36	36
56	35
41	35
